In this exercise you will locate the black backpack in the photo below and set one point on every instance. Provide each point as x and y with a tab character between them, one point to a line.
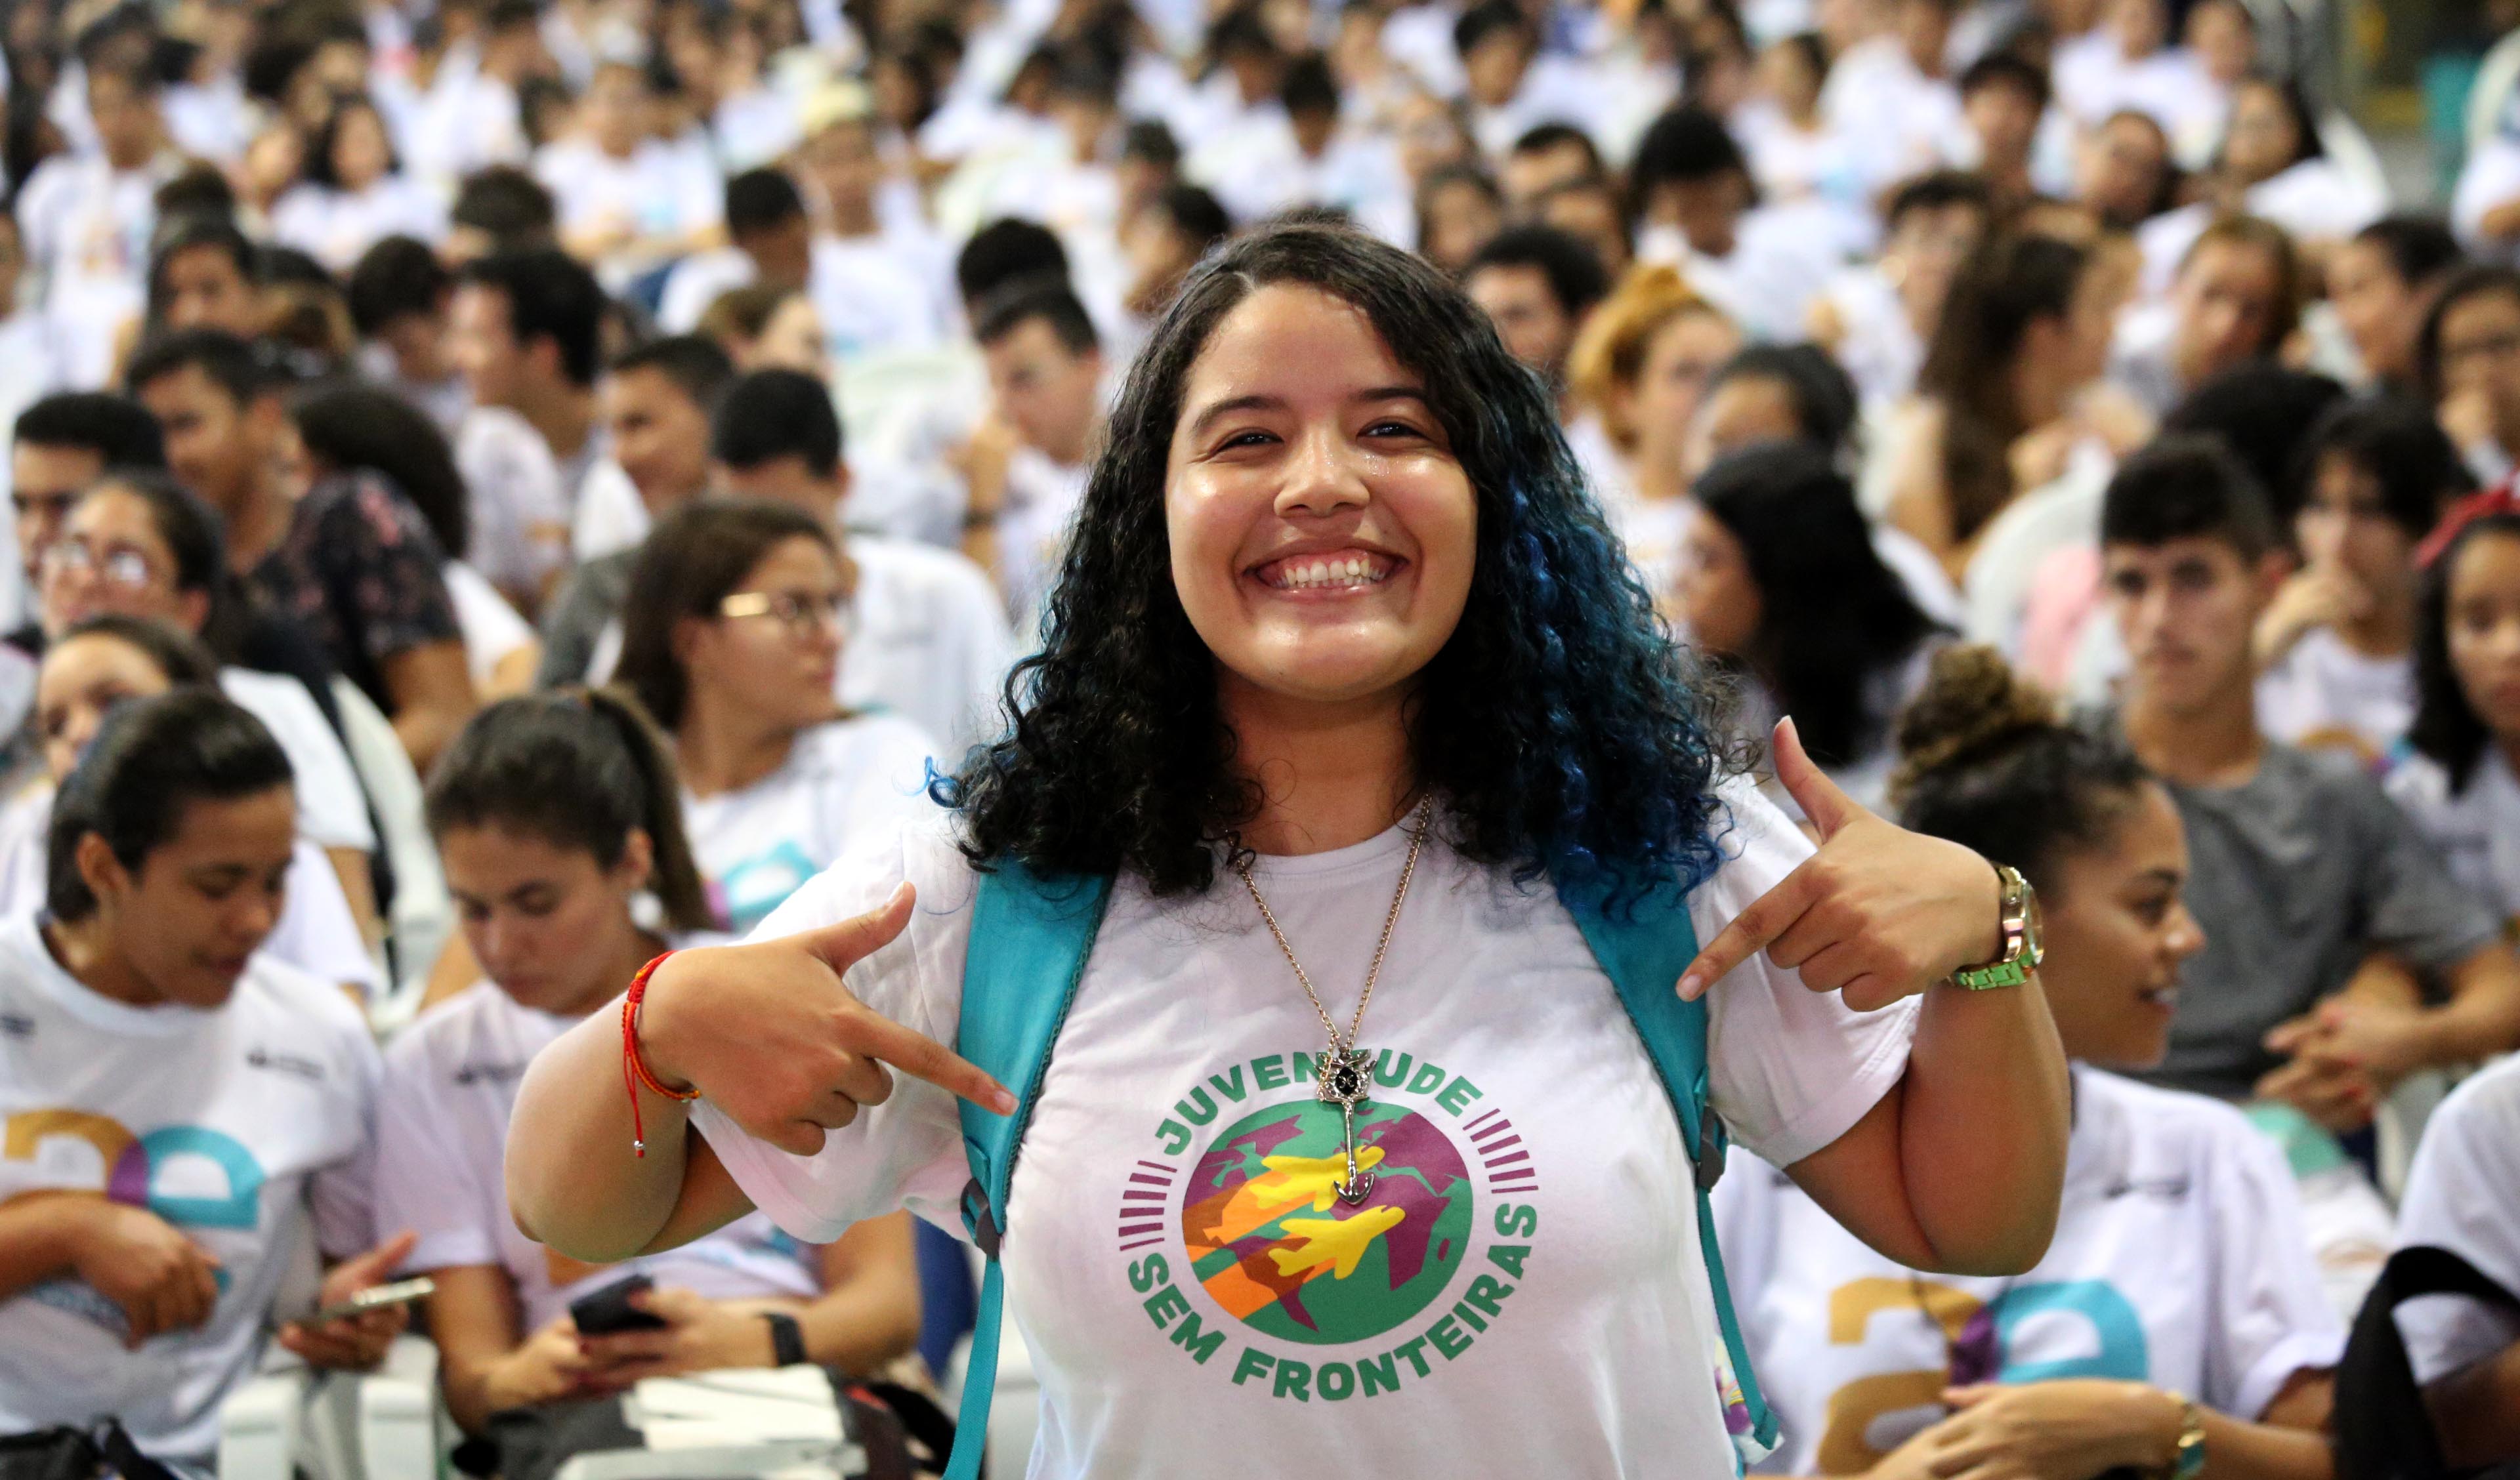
2383	1430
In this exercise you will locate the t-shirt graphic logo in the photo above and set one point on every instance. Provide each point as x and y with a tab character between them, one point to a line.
1271	1241
1250	1216
751	889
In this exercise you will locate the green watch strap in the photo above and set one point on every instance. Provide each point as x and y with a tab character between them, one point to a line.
2003	973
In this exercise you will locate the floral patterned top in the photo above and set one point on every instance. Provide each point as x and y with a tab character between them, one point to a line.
359	568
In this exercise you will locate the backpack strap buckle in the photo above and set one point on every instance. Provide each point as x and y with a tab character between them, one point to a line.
1708	1162
980	1220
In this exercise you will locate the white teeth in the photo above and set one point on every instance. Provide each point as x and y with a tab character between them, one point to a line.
1345	570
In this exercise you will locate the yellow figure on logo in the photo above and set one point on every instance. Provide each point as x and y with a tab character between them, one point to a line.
1309	1179
1336	1242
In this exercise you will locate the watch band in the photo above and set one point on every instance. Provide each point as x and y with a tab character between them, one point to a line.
2188	1456
787	1339
2013	966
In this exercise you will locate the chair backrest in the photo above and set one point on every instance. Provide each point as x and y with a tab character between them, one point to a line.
423	915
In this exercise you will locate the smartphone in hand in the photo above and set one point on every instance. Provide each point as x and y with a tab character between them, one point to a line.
377	1297
601	1312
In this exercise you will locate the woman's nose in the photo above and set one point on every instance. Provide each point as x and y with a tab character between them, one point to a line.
1323	477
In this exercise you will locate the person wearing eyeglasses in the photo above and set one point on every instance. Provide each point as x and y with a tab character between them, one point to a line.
737	615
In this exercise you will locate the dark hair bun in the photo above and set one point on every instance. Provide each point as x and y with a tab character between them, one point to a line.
1972	703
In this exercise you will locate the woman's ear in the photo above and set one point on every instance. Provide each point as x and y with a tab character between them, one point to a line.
101	872
636	868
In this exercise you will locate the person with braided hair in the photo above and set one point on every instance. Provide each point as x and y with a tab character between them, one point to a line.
2179	1313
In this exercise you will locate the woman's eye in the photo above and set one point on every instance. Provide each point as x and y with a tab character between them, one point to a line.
1391	429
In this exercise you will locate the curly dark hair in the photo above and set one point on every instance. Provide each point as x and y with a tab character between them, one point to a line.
1568	735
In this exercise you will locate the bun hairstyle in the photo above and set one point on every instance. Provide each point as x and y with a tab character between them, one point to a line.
1987	760
579	768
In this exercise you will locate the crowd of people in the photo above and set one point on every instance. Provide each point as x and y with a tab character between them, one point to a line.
506	489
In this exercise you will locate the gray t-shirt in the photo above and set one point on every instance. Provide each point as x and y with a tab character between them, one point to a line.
2297	875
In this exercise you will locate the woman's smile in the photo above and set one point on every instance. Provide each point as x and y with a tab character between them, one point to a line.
1336	573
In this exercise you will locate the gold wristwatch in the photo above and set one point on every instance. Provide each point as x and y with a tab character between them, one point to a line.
2023	947
2188	1454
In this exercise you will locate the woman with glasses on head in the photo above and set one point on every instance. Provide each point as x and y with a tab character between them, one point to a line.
2180	1269
137	546
730	636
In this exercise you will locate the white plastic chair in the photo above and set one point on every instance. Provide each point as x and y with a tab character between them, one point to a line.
2352	150
423	915
2496	78
380	1425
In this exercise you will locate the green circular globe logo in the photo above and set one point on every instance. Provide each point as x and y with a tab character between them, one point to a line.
1271	1243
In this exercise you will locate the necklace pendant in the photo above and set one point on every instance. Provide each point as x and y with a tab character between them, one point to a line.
1343	1078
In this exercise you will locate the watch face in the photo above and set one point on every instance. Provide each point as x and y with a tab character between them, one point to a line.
2033	938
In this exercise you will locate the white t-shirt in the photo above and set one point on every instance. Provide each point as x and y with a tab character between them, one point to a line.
2476	831
233	1124
519	513
657	192
931	641
2464	1196
336	227
87	229
2325	693
2180	1261
450	1085
610	514
1041	498
2491	178
316	934
1523	1293
842	782
492	629
332	805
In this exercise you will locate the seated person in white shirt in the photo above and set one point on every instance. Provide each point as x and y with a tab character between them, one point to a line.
625	202
1027	462
2123	169
769	240
2467	360
1547	157
525	332
556	816
2336	645
1509	88
656	398
2003	99
2458	776
2179	1268
1163	241
929	637
95	666
1537	284
1698	209
1459	207
354	193
136	546
184	1113
732	637
496	209
2237	298
398	296
2464	1196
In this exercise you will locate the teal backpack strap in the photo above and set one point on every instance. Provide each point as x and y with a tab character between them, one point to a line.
1644	948
1030	937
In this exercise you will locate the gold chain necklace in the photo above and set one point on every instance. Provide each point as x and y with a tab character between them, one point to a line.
1343	1076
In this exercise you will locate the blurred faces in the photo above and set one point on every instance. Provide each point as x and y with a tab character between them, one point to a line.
44	481
481	346
1491	71
785	480
1707	211
2187	609
1720	606
1532	173
2139	26
843	164
81	682
660	436
2225	297
1050	394
2480	357
126	119
361	154
1527	315
792	340
547	922
1590	211
2379	309
1924	27
1458	217
1924	252
2005	119
2484	631
1429	138
2221	34
2265	138
2118	933
2343	527
1322	532
112	560
206	288
1784	75
2120	168
218	449
1678	359
1746	410
615	109
772	665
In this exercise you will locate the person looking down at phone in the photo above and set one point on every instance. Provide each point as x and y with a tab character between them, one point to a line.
181	1111
557	818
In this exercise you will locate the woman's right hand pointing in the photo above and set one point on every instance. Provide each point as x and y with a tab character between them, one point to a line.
768	1033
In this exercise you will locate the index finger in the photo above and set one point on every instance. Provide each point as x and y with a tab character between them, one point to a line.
1751	931
924	1058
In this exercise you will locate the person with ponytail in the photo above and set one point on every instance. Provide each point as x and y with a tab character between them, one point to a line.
182	1111
2181	1268
558	821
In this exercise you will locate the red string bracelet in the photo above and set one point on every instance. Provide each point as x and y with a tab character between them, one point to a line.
634	1066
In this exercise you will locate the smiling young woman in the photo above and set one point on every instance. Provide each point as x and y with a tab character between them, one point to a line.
1342	673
